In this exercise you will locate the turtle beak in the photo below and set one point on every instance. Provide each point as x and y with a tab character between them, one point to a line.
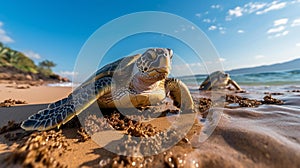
153	73
170	52
164	70
159	71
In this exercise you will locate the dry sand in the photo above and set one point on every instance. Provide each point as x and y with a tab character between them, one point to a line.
267	136
34	94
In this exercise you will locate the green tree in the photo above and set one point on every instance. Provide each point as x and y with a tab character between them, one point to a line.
47	64
45	67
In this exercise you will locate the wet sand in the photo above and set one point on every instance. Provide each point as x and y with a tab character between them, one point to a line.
264	136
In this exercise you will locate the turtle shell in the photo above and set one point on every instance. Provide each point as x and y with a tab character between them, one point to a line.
119	68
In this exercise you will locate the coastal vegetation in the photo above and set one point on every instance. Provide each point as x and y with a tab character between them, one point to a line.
13	58
15	63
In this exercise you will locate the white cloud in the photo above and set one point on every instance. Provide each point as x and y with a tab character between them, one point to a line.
279	28
240	31
272	6
32	54
298	44
3	35
198	15
281	21
222	30
237	12
6	39
246	9
206	20
296	22
284	33
68	74
2	31
259	56
276	29
255	7
212	27
295	1
222	59
218	27
215	6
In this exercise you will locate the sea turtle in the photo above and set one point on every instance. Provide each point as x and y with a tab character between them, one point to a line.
135	81
218	80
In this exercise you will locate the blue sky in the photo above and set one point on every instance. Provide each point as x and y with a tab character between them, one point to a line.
244	33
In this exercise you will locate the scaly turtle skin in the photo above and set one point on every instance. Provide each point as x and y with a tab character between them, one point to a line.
218	80
132	82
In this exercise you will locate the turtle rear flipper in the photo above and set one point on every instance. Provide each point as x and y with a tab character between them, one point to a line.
58	103
50	118
62	111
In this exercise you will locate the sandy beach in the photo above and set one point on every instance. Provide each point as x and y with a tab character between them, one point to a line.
174	84
263	136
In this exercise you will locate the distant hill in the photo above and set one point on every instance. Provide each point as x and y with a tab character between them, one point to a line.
285	66
14	65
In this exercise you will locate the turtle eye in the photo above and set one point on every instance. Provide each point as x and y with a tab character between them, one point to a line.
170	52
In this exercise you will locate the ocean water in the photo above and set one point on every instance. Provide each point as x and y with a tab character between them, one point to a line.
269	78
255	79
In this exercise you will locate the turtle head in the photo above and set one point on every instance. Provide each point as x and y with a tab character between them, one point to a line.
216	79
155	63
220	78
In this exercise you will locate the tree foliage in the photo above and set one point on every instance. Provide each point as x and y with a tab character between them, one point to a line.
47	64
45	67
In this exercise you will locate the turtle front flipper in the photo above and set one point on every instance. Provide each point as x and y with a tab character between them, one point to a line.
180	94
206	85
233	83
62	111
